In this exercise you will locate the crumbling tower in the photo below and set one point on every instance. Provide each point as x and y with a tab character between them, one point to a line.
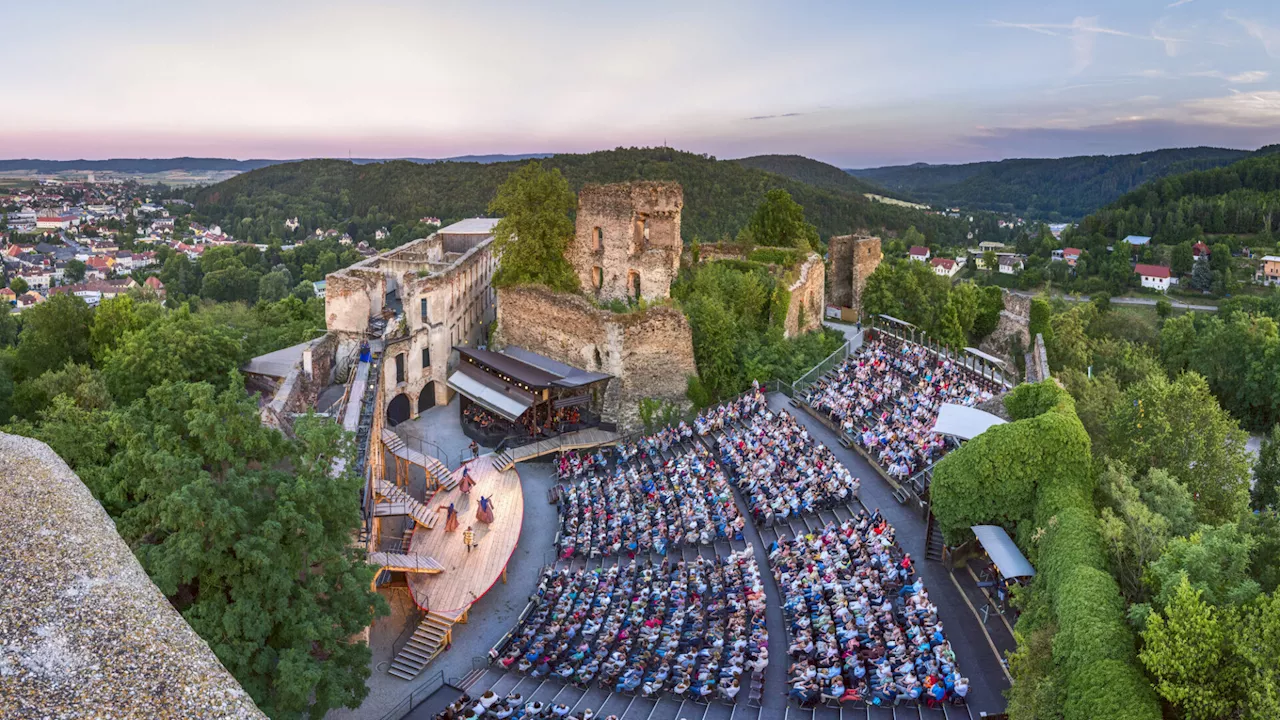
627	241
853	259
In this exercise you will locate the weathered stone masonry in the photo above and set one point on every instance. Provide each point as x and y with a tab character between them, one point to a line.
627	241
853	259
649	352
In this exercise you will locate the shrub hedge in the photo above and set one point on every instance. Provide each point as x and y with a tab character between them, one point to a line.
1034	474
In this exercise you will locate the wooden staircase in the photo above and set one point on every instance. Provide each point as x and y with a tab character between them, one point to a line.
395	501
433	633
935	548
406	563
438	475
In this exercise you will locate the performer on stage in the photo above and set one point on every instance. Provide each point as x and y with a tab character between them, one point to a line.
450	520
466	483
484	513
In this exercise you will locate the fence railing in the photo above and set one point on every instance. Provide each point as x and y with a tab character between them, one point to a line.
817	371
416	696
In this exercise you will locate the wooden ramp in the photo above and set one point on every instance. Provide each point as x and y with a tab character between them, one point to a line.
437	474
434	632
589	438
405	563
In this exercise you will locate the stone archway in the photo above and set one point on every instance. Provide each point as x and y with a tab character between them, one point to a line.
427	398
398	410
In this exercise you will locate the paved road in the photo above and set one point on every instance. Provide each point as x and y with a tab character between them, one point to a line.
1125	301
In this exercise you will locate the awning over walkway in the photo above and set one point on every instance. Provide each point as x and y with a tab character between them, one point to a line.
1008	558
963	422
506	404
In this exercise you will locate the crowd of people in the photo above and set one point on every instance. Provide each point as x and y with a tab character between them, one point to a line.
861	625
692	629
744	406
887	397
575	464
512	706
781	470
651	447
641	508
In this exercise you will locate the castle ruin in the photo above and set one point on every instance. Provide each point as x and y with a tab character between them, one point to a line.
853	259
627	241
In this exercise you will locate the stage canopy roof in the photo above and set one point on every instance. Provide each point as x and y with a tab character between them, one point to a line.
502	398
1004	553
963	422
532	369
570	376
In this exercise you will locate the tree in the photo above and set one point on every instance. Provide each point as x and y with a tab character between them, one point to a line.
1134	534
535	229
1266	474
54	333
1186	649
1180	427
19	286
1220	257
1201	276
1181	259
1214	559
74	271
181	347
248	534
779	222
990	261
274	286
115	318
913	237
229	284
1164	308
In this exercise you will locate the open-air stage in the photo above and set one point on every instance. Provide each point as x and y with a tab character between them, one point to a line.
468	575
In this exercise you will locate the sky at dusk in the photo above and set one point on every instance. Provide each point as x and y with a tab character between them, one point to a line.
849	82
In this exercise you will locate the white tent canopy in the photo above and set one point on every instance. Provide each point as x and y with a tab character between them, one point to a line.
963	422
1003	552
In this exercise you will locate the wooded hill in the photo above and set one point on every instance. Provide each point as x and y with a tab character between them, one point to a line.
720	195
1043	189
1241	198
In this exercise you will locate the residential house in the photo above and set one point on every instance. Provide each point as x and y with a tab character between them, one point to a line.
1156	277
318	287
55	222
946	267
1200	251
154	284
7	296
918	252
1137	240
1071	255
1011	264
1269	270
29	299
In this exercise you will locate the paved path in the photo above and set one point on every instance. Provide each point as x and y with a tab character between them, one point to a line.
1125	301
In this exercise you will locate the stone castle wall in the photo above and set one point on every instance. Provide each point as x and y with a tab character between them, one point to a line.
853	259
627	234
1012	332
808	294
649	353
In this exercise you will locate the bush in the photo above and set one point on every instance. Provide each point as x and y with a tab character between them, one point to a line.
786	257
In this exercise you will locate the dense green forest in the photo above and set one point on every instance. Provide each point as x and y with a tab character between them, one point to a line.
1241	198
815	173
1043	189
720	196
247	531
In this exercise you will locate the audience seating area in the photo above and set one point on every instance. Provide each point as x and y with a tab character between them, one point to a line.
886	398
781	470
643	508
860	630
692	629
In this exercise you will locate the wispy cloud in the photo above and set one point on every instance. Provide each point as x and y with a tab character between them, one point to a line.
1247	77
1269	36
1178	3
774	117
1083	33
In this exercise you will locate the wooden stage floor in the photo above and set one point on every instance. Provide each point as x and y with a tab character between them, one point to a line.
468	576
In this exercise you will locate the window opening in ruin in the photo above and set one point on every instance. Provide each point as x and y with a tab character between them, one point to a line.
599	360
597	277
400	368
597	237
646	229
426	358
633	279
423	310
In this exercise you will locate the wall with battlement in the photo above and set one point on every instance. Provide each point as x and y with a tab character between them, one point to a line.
808	295
649	352
627	235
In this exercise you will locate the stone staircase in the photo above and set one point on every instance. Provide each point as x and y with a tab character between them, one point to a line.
433	633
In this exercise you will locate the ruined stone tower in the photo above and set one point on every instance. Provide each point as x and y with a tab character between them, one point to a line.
853	259
627	242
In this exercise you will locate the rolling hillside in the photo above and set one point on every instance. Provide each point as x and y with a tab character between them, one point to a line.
720	195
1045	189
815	173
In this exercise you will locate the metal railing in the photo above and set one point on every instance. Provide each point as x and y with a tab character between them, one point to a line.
828	364
416	696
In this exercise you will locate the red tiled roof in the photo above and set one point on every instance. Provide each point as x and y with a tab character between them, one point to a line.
1156	271
947	263
918	250
1071	251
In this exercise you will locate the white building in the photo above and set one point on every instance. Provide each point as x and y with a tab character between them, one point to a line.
945	267
1156	277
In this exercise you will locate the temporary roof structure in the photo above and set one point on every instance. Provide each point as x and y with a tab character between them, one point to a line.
1003	552
964	422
